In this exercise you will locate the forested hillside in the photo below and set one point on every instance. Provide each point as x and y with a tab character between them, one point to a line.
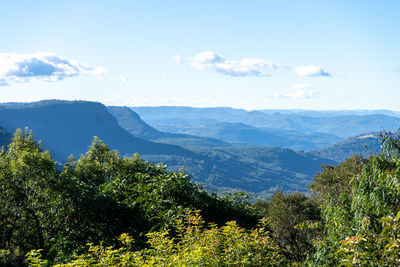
363	145
243	134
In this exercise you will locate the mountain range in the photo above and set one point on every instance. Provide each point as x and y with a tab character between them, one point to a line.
179	119
219	154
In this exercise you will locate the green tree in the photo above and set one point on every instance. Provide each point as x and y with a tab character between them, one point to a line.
361	227
285	212
27	201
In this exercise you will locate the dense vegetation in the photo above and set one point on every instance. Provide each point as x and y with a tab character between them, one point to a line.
95	198
109	210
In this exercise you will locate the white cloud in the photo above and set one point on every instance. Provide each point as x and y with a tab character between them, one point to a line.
42	66
300	91
123	79
311	71
246	67
177	58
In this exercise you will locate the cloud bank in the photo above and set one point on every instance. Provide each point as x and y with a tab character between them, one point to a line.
300	91
177	58
246	67
255	67
311	71
23	68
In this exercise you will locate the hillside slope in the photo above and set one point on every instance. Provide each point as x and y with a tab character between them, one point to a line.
363	145
243	134
5	137
131	121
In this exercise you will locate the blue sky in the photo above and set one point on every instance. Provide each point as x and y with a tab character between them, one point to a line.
244	54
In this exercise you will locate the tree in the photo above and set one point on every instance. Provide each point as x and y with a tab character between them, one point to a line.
334	181
285	211
27	214
362	227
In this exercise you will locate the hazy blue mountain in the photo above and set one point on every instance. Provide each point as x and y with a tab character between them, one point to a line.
68	127
362	145
12	103
340	124
5	137
330	113
170	112
243	134
131	121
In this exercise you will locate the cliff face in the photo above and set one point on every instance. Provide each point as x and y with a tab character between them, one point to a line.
68	127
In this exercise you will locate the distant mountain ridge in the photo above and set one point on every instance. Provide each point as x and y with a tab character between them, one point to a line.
364	145
131	121
338	124
243	134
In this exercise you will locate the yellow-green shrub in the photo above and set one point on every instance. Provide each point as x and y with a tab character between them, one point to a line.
195	244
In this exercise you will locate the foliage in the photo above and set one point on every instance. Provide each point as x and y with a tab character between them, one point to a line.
334	181
94	199
47	216
195	245
359	225
28	205
286	212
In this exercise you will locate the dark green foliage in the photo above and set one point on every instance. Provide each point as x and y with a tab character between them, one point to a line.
335	181
27	200
285	213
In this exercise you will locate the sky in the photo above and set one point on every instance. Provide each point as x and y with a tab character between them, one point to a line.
325	55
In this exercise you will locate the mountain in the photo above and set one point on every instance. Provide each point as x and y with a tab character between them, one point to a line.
362	145
331	113
5	137
131	121
67	127
243	134
343	125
